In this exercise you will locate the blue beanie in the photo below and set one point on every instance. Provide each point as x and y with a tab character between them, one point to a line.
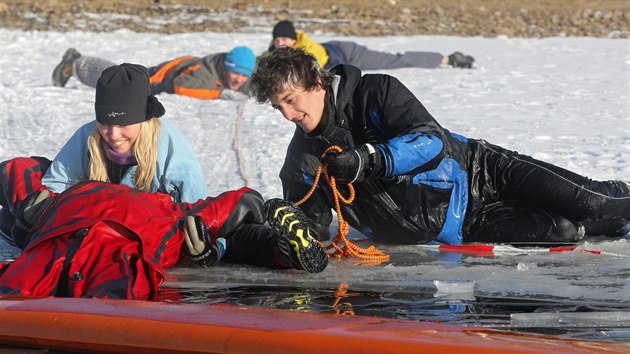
241	60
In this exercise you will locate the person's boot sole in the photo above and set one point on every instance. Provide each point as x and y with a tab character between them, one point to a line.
59	76
310	253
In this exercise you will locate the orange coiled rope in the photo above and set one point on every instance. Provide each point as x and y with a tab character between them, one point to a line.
343	247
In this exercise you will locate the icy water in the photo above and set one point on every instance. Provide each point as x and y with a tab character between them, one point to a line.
577	319
429	285
579	294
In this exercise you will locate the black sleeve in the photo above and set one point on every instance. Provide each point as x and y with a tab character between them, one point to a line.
402	124
391	109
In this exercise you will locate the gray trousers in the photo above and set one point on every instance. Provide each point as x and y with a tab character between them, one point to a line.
89	69
342	52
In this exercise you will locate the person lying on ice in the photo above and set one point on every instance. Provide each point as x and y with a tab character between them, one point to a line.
126	144
215	76
415	181
97	239
332	53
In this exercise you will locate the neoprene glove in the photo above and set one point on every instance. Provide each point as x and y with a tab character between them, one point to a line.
198	242
354	164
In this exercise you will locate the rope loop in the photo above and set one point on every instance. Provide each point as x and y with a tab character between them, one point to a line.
341	245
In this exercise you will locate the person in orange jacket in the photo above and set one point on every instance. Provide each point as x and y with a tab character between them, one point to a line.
215	76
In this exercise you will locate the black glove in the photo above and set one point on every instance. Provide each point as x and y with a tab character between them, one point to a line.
355	164
30	210
198	242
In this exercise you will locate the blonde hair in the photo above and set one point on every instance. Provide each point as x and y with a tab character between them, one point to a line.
144	149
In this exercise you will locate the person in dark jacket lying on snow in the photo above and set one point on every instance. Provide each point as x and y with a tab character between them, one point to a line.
332	53
97	239
215	76
415	181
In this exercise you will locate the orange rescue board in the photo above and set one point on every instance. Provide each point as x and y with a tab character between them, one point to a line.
128	326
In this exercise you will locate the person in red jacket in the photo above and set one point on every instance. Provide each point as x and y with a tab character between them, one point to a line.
219	75
97	239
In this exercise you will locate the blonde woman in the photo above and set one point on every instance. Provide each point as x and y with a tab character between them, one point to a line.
127	144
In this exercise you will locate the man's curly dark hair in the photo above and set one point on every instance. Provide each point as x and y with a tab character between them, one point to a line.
285	68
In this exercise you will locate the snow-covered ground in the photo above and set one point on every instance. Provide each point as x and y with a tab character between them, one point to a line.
562	100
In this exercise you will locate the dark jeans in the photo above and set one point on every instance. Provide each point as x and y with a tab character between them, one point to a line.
345	52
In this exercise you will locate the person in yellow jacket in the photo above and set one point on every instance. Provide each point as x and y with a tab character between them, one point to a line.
330	54
219	75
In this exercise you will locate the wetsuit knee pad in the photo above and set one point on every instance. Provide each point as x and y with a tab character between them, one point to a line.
513	223
249	209
564	230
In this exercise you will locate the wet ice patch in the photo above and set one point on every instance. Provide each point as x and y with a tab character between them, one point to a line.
583	319
525	266
445	287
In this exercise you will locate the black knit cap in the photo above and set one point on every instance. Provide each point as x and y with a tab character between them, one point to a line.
123	96
284	29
